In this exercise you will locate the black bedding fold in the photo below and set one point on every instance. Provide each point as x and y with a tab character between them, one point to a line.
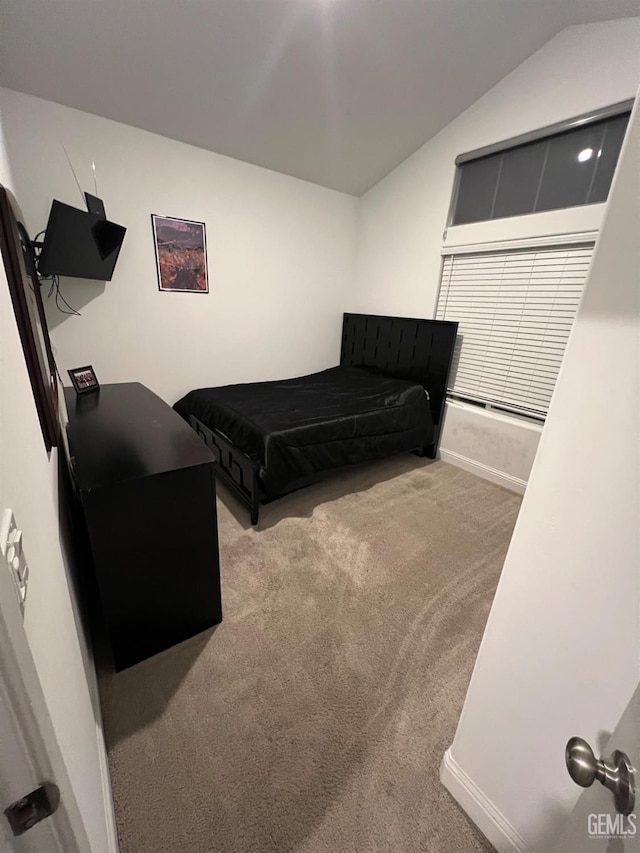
296	428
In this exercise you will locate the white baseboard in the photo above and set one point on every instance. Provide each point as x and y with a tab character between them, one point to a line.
107	796
111	830
489	820
488	473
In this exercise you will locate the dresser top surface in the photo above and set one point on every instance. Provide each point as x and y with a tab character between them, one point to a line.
123	432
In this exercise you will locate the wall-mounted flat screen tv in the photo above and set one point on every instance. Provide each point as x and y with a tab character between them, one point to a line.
79	244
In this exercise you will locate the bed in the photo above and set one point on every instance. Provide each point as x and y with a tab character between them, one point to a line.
385	397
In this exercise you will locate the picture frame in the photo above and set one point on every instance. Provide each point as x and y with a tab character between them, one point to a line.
181	254
18	257
84	379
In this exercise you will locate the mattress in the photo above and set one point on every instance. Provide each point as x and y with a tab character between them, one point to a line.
295	428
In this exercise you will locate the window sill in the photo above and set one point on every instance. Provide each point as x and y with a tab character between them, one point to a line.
495	415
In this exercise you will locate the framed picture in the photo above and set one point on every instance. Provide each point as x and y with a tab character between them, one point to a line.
181	254
84	379
18	257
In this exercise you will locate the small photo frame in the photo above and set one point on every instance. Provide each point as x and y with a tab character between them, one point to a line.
84	379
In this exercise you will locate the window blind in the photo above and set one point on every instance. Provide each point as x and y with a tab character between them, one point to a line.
515	310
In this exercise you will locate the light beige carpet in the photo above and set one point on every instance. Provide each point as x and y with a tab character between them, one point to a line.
315	717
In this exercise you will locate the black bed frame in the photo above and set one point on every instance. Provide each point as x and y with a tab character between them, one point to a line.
419	350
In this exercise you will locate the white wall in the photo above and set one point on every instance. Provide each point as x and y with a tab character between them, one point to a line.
280	255
505	445
403	218
29	486
561	652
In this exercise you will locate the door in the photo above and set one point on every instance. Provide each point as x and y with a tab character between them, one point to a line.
29	752
595	825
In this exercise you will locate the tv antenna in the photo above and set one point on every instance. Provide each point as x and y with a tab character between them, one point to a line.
74	173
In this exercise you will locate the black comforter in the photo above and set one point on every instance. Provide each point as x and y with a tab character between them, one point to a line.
295	428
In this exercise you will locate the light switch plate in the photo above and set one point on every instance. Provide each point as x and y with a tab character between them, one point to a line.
7	520
13	552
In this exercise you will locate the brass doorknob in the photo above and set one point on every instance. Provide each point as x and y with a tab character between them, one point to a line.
616	774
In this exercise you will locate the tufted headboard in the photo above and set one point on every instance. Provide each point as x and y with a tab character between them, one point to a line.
404	347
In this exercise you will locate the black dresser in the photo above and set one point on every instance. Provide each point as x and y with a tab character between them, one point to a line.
145	484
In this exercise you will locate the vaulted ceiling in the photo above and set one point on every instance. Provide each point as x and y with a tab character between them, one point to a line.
337	92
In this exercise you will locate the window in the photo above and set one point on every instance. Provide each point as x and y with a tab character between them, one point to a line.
515	310
514	285
555	170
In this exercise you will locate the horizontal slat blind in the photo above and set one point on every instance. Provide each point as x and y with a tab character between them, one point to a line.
515	310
